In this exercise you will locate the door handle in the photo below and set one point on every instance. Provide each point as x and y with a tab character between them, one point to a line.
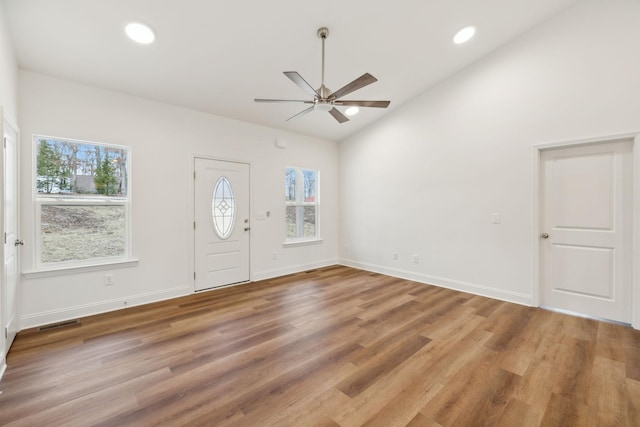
247	228
544	235
18	242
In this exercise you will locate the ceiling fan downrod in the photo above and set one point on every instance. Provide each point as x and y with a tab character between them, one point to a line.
323	92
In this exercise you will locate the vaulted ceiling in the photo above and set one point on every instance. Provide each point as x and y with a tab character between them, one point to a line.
217	56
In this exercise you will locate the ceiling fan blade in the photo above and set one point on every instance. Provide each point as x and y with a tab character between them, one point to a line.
302	83
282	100
360	82
301	113
375	104
338	115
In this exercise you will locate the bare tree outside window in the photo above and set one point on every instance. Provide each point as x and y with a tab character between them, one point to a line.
301	210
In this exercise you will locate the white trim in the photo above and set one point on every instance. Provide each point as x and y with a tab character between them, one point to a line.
38	201
590	140
457	285
270	274
63	271
300	203
301	242
3	366
535	225
53	316
537	150
635	244
3	345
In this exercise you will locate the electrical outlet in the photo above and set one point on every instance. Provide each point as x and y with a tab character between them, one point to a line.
346	248
416	258
395	255
495	218
274	256
108	279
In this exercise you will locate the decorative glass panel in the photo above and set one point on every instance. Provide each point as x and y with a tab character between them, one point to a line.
223	208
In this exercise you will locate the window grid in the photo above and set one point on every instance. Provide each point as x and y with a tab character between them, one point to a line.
81	195
301	204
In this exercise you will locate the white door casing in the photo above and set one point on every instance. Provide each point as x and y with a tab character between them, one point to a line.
12	243
221	223
586	212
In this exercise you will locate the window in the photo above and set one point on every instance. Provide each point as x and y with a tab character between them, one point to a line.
301	204
82	202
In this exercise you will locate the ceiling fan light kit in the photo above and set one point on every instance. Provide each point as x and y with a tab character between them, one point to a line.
323	98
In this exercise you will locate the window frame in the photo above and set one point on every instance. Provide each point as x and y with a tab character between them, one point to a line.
40	200
301	203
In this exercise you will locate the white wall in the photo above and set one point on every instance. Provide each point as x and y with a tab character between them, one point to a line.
8	70
163	141
426	179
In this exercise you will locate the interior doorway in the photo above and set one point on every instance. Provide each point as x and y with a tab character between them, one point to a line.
586	229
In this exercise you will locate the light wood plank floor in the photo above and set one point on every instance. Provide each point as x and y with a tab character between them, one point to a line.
332	347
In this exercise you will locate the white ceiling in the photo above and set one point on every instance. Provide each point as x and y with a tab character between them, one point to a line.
217	56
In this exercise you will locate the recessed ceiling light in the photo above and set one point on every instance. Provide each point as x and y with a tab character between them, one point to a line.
464	35
140	33
352	111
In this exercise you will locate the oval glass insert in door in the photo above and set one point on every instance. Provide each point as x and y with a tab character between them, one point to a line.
223	208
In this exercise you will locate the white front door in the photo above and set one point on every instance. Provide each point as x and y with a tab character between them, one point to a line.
9	298
221	223
586	235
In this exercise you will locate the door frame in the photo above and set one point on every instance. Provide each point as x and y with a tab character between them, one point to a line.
6	120
192	216
536	192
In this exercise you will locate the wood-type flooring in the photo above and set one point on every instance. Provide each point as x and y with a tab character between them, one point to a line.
330	347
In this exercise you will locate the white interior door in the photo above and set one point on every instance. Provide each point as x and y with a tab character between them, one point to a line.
10	324
221	223
586	229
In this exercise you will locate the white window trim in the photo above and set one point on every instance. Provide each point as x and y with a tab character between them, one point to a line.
41	269
63	271
301	241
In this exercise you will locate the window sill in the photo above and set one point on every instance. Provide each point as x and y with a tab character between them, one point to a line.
293	243
62	271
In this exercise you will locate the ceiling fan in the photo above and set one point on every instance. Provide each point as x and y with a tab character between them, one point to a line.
323	98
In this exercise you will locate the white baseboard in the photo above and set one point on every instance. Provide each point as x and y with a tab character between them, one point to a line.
270	274
55	316
457	285
45	318
3	367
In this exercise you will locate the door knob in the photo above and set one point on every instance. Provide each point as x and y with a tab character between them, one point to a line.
247	228
544	235
19	242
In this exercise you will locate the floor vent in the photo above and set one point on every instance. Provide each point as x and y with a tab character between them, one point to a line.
58	325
